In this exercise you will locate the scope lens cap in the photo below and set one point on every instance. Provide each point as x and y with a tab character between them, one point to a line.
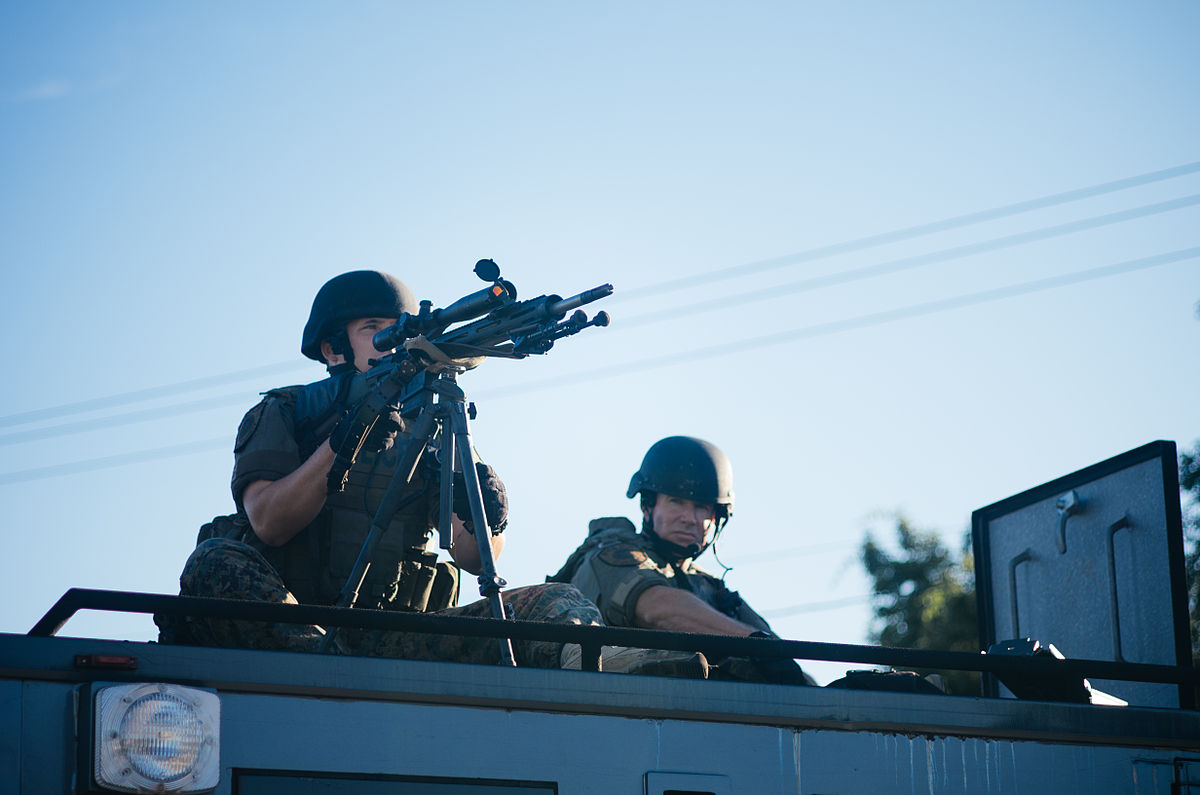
487	270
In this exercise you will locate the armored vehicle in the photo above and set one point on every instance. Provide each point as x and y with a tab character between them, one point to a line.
1091	564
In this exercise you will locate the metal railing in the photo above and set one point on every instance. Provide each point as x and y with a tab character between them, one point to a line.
591	638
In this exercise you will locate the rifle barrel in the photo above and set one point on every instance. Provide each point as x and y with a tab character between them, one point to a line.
565	305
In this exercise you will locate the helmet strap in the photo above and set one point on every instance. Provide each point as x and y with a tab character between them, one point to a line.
339	343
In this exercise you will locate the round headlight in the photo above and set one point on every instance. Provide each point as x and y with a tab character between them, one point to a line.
157	738
162	736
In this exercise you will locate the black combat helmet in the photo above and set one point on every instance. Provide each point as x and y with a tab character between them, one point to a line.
687	467
349	296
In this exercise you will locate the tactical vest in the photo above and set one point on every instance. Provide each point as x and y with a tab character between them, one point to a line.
314	564
619	530
609	530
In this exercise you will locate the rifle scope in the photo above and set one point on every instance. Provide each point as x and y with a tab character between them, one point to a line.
466	308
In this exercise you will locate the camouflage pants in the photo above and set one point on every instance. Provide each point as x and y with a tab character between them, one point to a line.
229	569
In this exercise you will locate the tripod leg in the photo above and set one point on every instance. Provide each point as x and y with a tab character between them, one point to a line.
490	583
446	496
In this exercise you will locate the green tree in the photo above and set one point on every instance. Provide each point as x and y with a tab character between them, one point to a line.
1189	487
924	598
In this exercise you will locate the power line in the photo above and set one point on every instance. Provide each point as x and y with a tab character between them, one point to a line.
836	326
804	285
907	233
107	462
128	418
815	607
94	404
908	263
791	552
793	335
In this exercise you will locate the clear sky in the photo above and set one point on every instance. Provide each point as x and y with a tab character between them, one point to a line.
177	180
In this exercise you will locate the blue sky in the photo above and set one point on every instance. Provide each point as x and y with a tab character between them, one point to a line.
178	180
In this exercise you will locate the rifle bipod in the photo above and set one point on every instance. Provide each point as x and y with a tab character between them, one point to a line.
447	415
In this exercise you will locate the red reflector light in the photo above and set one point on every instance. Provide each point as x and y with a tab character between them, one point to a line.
117	662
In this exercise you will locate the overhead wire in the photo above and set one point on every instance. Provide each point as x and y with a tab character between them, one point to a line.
724	349
816	607
895	236
139	395
908	263
128	418
792	552
122	459
870	241
847	324
724	302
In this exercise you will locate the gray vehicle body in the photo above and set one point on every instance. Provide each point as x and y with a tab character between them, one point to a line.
303	724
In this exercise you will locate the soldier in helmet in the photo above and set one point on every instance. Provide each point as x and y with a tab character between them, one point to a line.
293	539
648	579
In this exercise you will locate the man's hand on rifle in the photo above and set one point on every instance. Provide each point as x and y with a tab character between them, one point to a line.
380	438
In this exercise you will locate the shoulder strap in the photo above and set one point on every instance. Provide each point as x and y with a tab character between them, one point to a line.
600	532
611	526
314	408
318	402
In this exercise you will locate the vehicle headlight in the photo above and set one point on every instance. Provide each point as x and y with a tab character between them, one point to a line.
156	738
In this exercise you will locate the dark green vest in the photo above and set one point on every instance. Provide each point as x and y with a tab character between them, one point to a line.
404	574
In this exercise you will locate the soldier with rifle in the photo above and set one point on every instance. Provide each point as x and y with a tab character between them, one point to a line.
339	486
649	578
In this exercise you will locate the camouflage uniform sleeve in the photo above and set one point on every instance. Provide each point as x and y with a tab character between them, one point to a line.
266	448
614	577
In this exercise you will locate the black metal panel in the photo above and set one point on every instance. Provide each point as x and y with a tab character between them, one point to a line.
1093	563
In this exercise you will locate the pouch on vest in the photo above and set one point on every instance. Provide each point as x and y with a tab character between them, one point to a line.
445	588
234	526
415	585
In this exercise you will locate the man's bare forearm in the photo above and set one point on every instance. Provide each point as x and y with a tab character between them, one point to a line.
676	610
279	509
